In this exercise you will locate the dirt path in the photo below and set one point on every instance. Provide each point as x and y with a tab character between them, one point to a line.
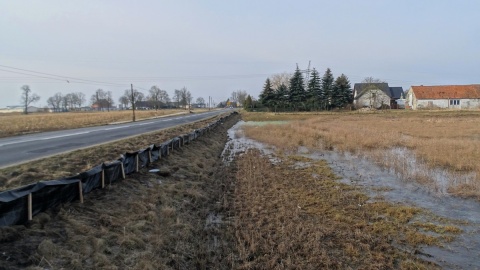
173	219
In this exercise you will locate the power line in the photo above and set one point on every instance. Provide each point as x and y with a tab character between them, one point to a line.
64	78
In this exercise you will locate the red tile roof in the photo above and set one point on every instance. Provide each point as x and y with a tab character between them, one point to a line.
447	91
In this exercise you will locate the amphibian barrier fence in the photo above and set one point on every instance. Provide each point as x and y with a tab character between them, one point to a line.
17	206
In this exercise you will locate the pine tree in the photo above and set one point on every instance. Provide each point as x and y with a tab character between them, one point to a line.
343	91
267	97
327	89
314	90
248	103
297	90
281	95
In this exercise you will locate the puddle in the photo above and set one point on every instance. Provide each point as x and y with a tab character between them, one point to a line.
237	144
394	184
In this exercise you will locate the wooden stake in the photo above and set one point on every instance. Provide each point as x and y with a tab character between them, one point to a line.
150	155
80	191
168	150
103	178
137	159
123	170
30	206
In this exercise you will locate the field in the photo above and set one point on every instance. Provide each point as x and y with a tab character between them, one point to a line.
197	213
447	140
17	124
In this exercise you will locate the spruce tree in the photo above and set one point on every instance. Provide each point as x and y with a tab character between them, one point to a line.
327	89
281	95
314	90
343	91
267	97
297	90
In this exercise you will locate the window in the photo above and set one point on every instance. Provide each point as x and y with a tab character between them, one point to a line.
454	102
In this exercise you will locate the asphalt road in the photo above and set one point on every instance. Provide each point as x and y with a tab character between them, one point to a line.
21	149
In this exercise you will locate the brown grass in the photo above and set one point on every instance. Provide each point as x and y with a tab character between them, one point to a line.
17	124
302	218
450	140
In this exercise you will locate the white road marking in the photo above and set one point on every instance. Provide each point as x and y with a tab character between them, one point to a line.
44	139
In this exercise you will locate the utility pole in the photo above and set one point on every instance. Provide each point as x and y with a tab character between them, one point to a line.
133	102
209	99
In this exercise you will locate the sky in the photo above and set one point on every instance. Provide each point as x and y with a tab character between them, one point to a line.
216	47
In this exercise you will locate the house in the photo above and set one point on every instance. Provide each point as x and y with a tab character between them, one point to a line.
444	97
377	95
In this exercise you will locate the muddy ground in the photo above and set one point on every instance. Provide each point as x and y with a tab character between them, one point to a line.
167	220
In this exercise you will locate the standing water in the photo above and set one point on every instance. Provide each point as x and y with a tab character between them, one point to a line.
462	253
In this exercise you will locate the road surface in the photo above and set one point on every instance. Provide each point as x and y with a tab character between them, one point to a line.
20	149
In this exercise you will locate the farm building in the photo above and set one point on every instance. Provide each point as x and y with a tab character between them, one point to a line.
377	95
444	97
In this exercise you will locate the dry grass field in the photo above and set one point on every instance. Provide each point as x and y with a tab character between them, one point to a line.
17	124
441	139
300	217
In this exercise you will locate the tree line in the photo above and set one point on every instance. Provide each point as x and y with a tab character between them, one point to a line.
283	92
103	100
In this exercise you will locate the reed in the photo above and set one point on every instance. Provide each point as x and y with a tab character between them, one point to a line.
447	140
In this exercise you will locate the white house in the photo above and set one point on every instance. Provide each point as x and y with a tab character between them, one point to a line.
444	97
376	95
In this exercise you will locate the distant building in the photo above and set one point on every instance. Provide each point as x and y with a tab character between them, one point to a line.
377	95
444	97
21	109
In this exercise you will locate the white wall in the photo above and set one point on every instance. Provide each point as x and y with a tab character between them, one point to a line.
445	104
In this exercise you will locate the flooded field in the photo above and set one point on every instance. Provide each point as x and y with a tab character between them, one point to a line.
381	180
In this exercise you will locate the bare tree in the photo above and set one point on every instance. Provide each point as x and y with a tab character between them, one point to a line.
132	97
99	99
185	97
109	100
154	96
177	96
80	99
28	97
200	100
280	78
239	96
124	101
55	101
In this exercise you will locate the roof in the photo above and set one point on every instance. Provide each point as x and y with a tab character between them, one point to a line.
396	92
392	92
447	91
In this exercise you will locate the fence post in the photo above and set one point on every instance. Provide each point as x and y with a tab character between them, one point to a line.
123	170
136	161
168	150
30	206
103	178
150	155
80	191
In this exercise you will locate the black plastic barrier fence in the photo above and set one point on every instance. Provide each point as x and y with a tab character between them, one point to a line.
18	206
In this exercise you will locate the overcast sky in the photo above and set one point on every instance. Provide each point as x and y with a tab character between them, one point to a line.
216	47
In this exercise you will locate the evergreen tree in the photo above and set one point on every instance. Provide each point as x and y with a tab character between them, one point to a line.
281	95
314	90
297	90
343	91
267	97
248	103
327	89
